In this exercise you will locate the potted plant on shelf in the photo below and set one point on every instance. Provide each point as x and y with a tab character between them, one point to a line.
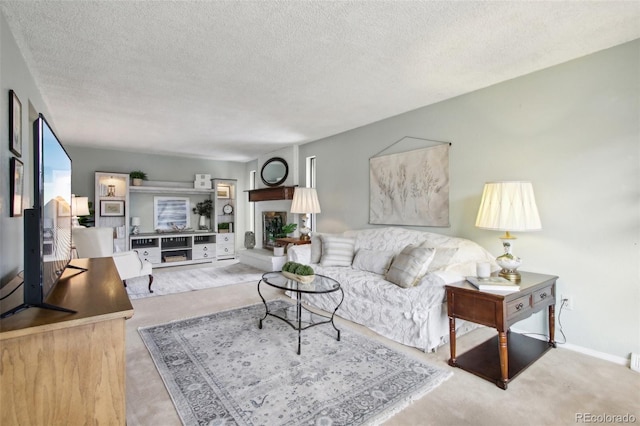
137	176
204	209
223	227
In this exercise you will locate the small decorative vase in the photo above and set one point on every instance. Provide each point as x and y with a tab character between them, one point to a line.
278	251
202	224
249	240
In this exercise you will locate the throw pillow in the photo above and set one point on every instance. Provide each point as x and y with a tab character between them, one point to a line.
442	258
316	247
410	266
375	261
337	251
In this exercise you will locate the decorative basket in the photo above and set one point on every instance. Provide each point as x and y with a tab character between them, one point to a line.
304	279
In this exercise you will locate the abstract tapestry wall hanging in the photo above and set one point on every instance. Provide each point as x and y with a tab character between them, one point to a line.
410	188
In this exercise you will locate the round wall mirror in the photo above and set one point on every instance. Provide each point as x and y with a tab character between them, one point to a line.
274	172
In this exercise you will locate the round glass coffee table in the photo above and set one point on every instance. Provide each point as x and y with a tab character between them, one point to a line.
297	316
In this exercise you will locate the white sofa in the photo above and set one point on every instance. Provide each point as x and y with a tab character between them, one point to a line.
416	315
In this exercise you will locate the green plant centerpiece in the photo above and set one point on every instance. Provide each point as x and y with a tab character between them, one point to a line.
137	176
298	272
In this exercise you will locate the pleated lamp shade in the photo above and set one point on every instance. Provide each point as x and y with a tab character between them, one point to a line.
305	200
508	206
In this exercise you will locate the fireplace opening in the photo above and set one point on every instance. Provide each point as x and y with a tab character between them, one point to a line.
272	223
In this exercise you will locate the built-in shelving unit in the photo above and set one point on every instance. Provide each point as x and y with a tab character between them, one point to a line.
169	188
112	206
174	249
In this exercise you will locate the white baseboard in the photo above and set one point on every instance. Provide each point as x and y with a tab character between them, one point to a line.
580	349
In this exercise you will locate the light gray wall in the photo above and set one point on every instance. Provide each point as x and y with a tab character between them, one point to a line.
14	75
573	130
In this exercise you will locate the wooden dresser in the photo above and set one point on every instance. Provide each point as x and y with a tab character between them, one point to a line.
61	368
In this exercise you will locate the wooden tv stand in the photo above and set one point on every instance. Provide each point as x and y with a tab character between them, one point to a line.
61	368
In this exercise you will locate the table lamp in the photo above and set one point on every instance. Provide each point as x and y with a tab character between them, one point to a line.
79	207
508	206
135	225
305	201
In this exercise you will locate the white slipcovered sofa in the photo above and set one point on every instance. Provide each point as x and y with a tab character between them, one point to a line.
412	310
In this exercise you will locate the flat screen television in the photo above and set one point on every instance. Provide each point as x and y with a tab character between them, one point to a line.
47	226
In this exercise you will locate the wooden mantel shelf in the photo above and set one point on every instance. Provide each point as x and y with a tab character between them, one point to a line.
268	194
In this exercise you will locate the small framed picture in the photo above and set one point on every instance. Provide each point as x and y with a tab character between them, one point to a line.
224	191
16	183
111	208
15	124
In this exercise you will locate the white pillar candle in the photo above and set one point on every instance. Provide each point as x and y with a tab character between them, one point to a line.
483	269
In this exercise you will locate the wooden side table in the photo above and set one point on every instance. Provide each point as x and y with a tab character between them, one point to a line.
295	241
287	242
515	352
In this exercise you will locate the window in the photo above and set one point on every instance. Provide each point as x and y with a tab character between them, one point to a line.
252	206
311	183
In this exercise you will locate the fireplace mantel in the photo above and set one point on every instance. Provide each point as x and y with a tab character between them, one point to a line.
268	194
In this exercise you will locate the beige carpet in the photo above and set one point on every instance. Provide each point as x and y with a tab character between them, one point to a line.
552	391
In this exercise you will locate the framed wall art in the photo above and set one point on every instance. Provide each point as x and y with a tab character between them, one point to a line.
171	213
16	183
410	188
15	124
111	208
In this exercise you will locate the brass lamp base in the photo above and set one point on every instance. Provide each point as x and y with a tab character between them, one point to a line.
304	237
511	275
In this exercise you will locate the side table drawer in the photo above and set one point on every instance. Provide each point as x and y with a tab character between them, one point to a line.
543	296
518	306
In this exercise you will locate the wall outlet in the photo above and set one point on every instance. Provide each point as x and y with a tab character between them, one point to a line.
635	362
567	300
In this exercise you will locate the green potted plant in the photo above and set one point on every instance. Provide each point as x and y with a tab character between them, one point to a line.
287	229
223	227
204	209
137	176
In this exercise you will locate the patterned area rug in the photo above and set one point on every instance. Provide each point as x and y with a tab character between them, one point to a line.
167	281
222	369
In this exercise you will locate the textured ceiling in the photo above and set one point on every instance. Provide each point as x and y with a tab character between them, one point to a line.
232	80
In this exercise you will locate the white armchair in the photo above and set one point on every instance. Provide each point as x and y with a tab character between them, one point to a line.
98	242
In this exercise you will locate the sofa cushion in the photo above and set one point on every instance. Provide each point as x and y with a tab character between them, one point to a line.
441	258
316	247
375	261
337	251
410	265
